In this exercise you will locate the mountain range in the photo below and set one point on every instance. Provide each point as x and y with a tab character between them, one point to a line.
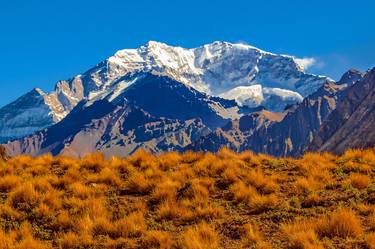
162	98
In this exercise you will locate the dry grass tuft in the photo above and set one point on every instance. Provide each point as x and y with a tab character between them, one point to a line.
201	236
24	197
262	183
256	202
342	223
359	181
131	226
308	233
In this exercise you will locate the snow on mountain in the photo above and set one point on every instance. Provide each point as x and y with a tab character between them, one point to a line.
37	110
275	99
24	116
251	96
213	69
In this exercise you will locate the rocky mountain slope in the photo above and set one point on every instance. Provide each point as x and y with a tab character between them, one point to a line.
111	129
216	69
160	114
119	124
234	134
352	123
313	119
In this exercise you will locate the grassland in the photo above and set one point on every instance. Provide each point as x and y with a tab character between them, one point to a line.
189	201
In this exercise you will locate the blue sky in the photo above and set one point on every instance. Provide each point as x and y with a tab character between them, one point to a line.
44	41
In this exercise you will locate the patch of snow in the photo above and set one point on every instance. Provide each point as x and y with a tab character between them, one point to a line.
119	88
282	93
251	96
274	99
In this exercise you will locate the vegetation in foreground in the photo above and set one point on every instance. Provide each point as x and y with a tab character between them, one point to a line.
189	201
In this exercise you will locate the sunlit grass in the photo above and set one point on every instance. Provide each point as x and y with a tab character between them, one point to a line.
189	200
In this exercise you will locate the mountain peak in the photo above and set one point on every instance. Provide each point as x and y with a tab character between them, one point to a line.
155	44
351	76
39	91
216	67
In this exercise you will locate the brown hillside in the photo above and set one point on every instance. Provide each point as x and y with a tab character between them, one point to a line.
189	201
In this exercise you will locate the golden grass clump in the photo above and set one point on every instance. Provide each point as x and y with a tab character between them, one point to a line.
106	176
165	191
130	226
188	200
351	166
24	197
21	238
174	210
9	182
253	237
72	240
307	184
313	199
301	235
264	184
200	236
307	233
342	223
359	181
256	202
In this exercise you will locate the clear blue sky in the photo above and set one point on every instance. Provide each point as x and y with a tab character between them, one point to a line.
44	41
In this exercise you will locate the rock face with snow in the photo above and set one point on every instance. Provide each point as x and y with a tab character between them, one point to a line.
217	69
336	117
37	110
29	113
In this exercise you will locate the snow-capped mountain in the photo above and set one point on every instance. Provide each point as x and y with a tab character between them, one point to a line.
213	68
216	69
159	114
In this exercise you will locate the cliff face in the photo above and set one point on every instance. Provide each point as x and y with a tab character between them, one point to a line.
297	129
352	123
237	132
